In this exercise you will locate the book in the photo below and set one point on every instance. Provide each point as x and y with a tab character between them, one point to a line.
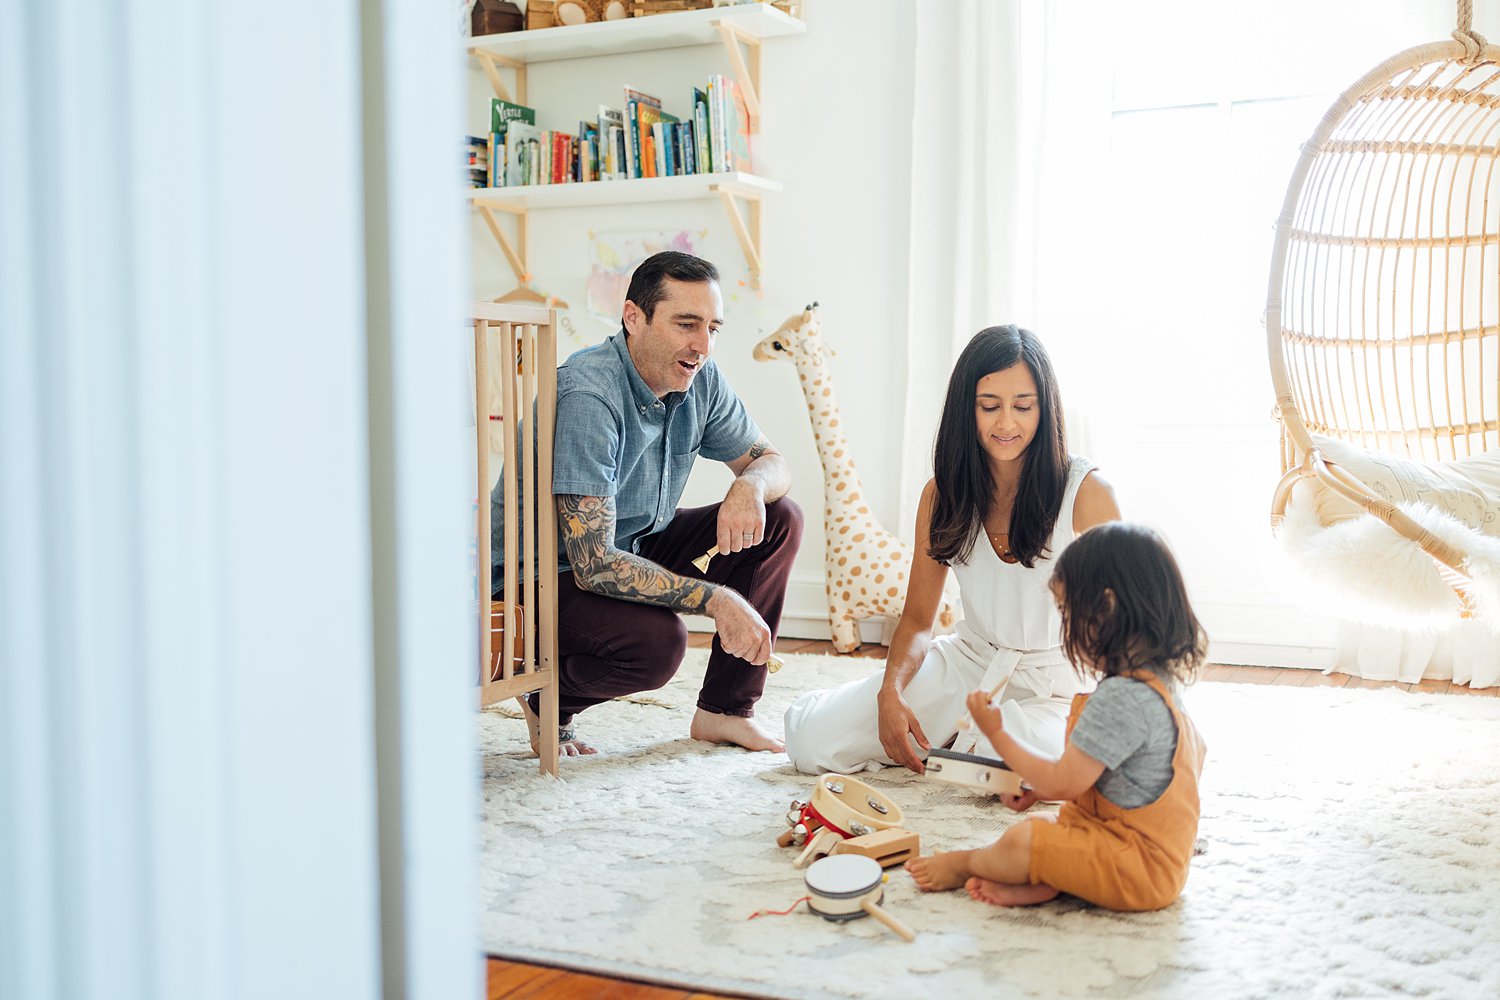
522	153
688	144
700	131
636	102
646	117
617	150
610	119
504	112
736	128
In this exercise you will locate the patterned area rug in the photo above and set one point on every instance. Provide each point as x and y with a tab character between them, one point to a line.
1351	849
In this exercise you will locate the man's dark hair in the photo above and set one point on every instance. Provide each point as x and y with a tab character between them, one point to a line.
965	486
648	285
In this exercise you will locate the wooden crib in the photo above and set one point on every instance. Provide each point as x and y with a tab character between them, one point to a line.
518	644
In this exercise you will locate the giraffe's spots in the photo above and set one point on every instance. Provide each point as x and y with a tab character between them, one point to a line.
880	577
892	592
854	571
834	422
842	485
882	543
843	560
859	537
846	595
844	530
839	453
864	510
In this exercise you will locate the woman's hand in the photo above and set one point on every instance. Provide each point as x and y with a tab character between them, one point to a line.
986	717
897	723
1022	802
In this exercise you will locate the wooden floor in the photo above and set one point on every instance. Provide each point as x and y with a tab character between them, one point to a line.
515	980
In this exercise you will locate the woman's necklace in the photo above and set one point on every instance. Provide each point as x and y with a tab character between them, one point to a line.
1002	544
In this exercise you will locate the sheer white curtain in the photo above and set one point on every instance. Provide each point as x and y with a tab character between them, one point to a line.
1108	175
1005	119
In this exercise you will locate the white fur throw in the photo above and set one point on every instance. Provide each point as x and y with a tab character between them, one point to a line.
1361	570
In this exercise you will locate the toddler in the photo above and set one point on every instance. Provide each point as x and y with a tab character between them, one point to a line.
1128	775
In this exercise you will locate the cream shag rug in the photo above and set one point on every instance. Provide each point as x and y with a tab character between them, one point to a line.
1351	849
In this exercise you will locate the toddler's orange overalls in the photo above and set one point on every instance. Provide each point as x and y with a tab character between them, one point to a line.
1125	859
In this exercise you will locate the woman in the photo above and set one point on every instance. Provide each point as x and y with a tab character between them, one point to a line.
1006	498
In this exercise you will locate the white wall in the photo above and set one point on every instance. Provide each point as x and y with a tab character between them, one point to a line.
835	117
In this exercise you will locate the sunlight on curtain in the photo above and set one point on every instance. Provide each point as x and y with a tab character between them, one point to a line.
1141	178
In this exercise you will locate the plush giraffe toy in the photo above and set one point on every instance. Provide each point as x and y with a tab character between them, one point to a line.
866	566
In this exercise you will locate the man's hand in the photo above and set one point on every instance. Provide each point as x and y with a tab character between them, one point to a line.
742	516
742	632
897	723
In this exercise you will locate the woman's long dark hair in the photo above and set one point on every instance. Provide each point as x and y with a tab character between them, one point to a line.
961	469
1125	606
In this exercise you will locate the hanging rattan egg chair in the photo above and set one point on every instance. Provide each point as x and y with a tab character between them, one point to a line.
1383	310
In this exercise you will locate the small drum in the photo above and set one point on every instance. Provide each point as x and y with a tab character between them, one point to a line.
847	887
985	775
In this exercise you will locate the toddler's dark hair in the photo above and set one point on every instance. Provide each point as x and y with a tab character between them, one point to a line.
1124	605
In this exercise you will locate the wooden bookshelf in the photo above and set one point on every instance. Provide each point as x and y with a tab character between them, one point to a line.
636	34
683	187
740	29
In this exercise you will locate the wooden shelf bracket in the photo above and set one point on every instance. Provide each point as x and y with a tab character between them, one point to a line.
492	65
746	67
748	235
515	253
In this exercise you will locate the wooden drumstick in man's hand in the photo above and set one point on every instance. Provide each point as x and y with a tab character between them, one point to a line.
773	662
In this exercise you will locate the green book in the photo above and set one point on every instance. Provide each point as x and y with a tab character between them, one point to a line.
503	113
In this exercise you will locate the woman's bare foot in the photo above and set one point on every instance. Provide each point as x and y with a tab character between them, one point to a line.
982	890
711	727
574	747
936	872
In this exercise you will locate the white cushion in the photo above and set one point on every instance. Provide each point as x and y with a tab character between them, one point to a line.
1468	489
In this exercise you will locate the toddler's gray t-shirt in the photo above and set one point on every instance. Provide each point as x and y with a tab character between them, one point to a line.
1128	728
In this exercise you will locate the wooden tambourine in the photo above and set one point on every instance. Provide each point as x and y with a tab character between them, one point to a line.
852	808
841	808
847	887
986	775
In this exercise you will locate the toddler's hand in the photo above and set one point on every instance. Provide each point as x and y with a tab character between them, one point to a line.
986	716
1022	802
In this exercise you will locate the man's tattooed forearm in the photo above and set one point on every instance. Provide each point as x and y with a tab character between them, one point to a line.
588	529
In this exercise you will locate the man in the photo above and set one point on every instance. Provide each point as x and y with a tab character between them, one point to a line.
633	414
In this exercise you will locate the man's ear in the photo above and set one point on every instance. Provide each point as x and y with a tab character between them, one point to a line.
633	318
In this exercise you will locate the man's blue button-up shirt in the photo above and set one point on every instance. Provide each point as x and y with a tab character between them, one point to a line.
616	439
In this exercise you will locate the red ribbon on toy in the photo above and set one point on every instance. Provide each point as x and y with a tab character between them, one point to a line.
809	812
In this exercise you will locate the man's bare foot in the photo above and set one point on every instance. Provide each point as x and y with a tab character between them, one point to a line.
574	747
935	872
711	727
982	890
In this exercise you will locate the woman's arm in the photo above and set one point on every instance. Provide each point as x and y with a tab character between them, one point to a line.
1094	504
1064	778
924	596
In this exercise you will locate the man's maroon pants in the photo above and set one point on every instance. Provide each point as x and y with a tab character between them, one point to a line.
610	647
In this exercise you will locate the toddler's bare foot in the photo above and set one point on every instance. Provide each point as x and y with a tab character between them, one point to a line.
935	872
982	890
710	727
